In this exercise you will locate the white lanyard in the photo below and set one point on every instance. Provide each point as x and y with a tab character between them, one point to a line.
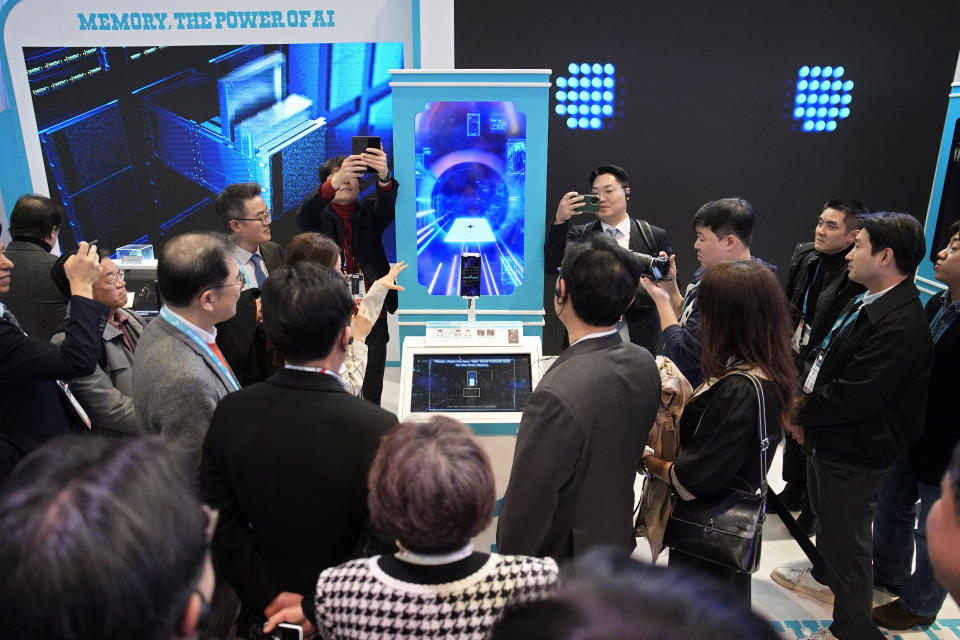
329	372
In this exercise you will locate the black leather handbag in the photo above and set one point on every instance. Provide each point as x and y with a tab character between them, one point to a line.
726	528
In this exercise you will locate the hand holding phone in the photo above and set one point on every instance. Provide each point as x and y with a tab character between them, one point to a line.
359	146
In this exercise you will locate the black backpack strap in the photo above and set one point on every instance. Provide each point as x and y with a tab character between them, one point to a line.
647	234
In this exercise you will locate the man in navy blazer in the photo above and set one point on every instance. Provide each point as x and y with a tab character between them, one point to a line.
30	400
584	427
291	486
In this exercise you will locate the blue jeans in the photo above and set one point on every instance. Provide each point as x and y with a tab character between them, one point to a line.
895	531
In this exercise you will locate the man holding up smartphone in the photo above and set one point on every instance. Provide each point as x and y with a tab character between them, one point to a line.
333	209
611	185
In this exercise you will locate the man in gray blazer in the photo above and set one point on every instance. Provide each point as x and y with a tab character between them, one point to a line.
34	228
585	425
179	374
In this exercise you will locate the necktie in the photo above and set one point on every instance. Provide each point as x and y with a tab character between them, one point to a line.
614	234
258	270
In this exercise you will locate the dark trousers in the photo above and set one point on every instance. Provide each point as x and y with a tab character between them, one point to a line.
844	498
794	462
376	361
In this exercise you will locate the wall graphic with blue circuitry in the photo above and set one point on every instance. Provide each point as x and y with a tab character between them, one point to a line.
137	141
470	184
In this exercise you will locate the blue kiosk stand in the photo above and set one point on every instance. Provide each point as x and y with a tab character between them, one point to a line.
470	156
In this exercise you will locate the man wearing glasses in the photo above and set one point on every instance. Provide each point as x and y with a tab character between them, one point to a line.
612	185
179	373
247	219
107	393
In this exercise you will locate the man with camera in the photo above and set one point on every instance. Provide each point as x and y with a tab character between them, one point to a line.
611	187
585	425
333	210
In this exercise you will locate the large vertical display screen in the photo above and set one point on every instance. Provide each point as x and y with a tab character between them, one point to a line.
470	182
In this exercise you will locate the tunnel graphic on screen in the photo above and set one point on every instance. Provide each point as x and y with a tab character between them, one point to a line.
451	383
470	182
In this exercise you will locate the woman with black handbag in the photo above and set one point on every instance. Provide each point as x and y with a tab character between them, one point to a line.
731	426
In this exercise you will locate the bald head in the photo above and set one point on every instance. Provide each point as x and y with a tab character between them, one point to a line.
190	264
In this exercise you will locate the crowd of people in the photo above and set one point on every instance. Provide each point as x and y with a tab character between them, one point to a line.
234	471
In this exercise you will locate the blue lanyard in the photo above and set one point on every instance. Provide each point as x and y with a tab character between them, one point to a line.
806	296
843	323
187	331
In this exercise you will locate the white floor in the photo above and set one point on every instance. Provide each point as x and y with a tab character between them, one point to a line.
791	613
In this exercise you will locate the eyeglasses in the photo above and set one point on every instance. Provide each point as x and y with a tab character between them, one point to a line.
609	191
238	281
264	219
114	278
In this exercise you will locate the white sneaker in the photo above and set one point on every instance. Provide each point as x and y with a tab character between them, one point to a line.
822	634
801	580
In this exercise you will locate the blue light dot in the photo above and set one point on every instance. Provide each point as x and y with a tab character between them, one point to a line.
822	112
571	109
573	96
807	125
834	99
814	85
804	71
583	122
608	83
810	112
609	69
848	85
596	82
823	98
801	98
815	72
597	67
584	68
562	82
560	109
596	123
573	68
838	72
574	82
820	126
572	123
595	109
607	110
844	112
831	125
561	96
584	96
584	109
827	72
846	99
802	85
595	96
812	97
836	85
797	113
832	112
608	96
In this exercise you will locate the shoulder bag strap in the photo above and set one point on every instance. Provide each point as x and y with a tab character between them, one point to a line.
647	234
762	429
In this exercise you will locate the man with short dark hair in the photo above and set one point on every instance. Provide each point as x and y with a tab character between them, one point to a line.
612	185
584	427
246	217
865	398
724	231
818	289
943	528
179	374
292	491
358	227
916	474
103	538
34	228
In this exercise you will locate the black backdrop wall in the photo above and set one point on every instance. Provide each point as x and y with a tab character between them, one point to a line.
704	96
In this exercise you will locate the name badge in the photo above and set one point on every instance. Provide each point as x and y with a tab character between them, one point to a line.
812	376
797	340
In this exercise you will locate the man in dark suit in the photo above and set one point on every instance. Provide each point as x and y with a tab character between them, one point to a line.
333	210
864	403
247	219
292	491
585	425
916	476
30	368
612	185
34	229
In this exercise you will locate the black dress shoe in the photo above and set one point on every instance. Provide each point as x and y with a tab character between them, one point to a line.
808	522
793	496
894	615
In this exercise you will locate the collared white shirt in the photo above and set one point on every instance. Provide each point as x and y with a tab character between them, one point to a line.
204	335
596	334
243	257
624	228
873	297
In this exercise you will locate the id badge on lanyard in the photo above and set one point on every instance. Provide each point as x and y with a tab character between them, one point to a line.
811	380
801	337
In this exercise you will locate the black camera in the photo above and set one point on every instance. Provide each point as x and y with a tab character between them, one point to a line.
653	267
